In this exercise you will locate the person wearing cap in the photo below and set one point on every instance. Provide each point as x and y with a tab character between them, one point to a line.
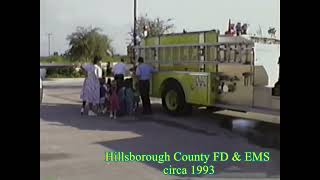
144	73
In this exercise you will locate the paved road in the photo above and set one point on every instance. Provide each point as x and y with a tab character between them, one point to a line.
72	147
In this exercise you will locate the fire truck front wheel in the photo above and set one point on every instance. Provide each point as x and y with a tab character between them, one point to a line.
173	99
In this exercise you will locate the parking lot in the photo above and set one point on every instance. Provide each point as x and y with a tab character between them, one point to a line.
72	146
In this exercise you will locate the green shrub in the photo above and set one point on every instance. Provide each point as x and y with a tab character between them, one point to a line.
69	72
56	60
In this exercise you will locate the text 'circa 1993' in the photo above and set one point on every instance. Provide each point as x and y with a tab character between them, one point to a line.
203	162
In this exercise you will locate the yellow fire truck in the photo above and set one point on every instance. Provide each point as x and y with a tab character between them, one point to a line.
200	69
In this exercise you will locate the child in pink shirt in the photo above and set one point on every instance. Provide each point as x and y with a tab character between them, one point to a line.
114	101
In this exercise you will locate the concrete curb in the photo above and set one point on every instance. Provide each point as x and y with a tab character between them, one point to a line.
70	79
63	79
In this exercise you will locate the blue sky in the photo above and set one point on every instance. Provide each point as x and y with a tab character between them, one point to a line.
115	17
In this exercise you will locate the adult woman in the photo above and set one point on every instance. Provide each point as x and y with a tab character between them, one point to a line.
83	101
91	88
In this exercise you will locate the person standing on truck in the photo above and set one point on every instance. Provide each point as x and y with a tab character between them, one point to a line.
238	29
119	71
144	74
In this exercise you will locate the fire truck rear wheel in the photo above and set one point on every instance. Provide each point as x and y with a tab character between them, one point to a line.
173	99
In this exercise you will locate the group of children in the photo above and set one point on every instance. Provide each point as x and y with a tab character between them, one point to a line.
118	98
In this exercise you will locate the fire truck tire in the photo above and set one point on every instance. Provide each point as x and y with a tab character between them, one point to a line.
173	99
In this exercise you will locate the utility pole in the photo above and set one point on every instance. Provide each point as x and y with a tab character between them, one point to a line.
49	34
134	34
134	40
135	23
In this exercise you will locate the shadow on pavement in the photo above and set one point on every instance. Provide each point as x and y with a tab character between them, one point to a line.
158	135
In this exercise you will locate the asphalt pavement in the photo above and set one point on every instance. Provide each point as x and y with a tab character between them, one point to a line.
72	147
